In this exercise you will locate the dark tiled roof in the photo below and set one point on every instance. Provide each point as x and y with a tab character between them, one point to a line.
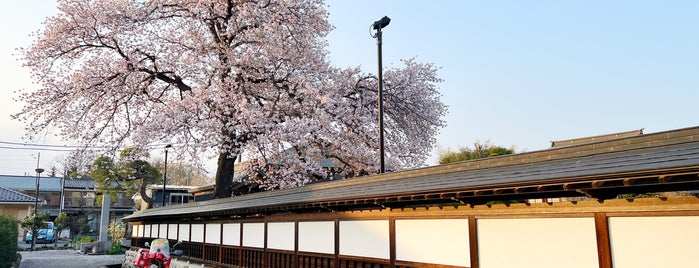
79	183
47	184
666	161
9	196
28	183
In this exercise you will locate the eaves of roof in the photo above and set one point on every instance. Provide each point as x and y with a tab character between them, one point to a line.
8	196
666	161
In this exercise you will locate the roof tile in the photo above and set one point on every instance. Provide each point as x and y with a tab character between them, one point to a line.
7	195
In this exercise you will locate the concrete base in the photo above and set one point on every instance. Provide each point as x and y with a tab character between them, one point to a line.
175	263
95	247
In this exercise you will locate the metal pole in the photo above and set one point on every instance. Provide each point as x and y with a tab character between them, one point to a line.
36	200
381	149
36	204
165	173
378	25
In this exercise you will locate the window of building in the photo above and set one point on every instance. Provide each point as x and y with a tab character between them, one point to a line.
180	198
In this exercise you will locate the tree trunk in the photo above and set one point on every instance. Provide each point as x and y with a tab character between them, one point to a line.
224	176
144	196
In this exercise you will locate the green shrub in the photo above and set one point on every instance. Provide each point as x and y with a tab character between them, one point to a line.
116	231
87	239
8	241
116	249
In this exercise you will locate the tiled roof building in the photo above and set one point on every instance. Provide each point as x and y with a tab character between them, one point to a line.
10	196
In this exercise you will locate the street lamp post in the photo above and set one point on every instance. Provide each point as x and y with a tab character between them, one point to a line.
165	172
36	204
378	25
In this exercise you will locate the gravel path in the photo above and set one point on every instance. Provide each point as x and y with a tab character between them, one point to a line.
67	259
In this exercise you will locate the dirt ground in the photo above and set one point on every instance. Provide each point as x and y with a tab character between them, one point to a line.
67	259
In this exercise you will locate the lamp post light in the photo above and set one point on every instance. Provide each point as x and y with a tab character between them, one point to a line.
36	204
378	25
165	172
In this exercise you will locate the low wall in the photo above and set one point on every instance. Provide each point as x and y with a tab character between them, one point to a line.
615	233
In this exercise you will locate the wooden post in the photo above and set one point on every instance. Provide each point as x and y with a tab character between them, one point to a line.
392	242
604	253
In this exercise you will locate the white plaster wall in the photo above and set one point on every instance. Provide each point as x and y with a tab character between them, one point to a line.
670	241
197	234
540	243
365	238
254	235
231	234
318	236
146	230
433	241
163	231
134	230
184	232
213	233
280	235
172	231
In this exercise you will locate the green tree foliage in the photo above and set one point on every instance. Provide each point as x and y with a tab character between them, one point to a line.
82	226
27	223
60	222
8	241
480	150
129	174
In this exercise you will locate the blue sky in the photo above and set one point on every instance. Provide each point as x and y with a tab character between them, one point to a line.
517	73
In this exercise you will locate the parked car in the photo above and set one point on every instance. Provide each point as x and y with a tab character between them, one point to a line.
47	233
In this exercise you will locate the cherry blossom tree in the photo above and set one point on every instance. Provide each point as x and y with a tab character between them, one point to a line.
223	78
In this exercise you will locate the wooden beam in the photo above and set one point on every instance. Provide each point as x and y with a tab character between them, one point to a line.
519	190
604	252
337	243
220	243
392	242
550	187
465	194
432	196
630	181
665	179
597	194
265	253
447	195
482	192
457	200
473	241
576	185
296	244
500	191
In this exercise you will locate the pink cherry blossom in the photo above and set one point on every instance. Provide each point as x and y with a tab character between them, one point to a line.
224	78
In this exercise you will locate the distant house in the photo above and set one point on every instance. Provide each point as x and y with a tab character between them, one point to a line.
15	205
202	193
76	197
81	198
49	191
174	194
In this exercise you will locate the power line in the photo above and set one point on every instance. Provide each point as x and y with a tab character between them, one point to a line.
37	149
51	145
60	148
